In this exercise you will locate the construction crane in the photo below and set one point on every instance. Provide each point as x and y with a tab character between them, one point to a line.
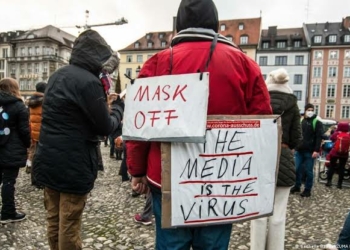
120	21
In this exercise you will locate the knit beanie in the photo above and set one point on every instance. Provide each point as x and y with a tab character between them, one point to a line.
277	80
308	106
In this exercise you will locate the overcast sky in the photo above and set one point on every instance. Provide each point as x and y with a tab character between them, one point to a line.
156	15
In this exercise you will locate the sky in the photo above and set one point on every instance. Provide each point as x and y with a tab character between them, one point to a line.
156	15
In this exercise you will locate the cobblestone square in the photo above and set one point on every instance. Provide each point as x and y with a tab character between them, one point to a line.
108	217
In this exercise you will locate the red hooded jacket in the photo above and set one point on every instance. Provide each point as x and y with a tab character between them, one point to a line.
236	87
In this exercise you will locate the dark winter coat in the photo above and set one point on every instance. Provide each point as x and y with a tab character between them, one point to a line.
75	113
287	104
14	152
312	137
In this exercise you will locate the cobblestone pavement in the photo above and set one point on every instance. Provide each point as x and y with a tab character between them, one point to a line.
108	217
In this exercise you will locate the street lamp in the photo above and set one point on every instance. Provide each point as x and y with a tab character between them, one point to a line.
138	69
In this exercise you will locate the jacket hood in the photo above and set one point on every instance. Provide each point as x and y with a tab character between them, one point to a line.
90	51
197	14
6	98
281	102
36	100
343	127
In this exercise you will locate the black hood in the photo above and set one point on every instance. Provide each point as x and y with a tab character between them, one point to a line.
90	51
197	14
6	98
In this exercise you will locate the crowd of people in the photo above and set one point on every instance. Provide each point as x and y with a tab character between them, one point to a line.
58	136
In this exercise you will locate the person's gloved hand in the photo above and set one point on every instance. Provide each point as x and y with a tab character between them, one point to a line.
119	102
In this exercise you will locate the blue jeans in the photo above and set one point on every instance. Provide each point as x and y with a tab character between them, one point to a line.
215	237
344	236
304	160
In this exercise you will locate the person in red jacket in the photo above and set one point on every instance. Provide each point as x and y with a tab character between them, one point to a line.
343	127
236	87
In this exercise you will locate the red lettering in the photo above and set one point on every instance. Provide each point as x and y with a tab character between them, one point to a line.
179	92
166	93
139	95
157	93
169	115
153	118
143	117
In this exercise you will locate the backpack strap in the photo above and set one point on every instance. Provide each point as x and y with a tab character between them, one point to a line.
314	121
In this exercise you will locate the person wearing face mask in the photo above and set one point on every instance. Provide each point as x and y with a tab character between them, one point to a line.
307	151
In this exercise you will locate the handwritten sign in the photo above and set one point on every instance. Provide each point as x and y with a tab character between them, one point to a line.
167	108
229	178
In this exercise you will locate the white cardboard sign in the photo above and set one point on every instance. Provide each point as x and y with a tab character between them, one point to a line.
167	108
229	178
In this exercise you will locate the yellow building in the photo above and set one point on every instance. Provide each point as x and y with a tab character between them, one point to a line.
136	54
243	32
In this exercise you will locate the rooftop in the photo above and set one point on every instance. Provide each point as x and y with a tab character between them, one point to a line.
49	31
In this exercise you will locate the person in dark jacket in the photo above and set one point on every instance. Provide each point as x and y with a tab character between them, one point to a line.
236	87
336	156
283	103
75	114
13	149
308	150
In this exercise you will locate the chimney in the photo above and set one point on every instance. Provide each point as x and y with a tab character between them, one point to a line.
272	31
174	24
346	22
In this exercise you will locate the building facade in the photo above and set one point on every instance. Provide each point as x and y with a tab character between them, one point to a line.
329	88
136	54
36	54
243	32
286	48
5	51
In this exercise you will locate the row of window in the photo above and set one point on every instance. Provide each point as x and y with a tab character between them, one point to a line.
223	27
35	51
332	71
161	36
27	84
150	45
332	54
330	39
330	111
139	58
29	68
316	72
281	44
331	91
281	60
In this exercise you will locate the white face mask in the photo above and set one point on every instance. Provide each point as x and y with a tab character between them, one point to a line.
309	114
